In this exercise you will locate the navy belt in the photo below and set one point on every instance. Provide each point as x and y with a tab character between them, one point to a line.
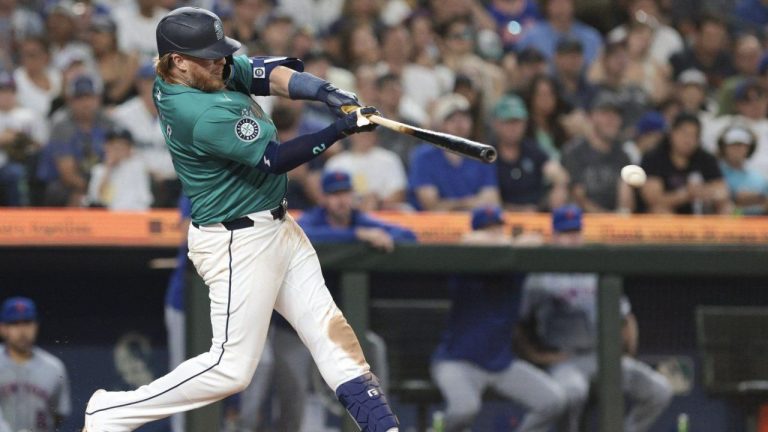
278	213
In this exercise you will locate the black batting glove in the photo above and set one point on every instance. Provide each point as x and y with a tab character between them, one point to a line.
337	99
347	125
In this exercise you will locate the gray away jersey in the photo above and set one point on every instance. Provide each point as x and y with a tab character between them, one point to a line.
31	394
564	308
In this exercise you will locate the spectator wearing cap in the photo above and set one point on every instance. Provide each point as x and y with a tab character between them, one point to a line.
561	22
134	23
665	40
692	90
76	145
37	82
475	353
708	53
594	161
747	53
338	220
751	105
609	74
22	133
522	67
569	71
528	179
748	188
682	177
139	116
649	131
558	332
35	394
115	67
121	182
378	175
63	33
441	180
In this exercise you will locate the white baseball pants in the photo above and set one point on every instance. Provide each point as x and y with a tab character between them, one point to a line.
249	272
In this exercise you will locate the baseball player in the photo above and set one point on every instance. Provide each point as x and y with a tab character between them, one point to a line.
559	332
475	352
248	250
34	388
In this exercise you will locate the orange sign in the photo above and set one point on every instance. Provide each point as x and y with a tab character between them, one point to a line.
88	227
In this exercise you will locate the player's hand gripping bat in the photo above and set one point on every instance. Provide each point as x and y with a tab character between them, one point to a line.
461	146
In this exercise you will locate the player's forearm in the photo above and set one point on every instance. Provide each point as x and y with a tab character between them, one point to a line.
279	80
281	158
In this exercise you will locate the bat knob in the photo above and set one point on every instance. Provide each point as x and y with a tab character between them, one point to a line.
488	155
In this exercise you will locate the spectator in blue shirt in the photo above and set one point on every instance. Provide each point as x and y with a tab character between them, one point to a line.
475	351
76	145
440	180
752	14
748	187
513	18
561	23
338	221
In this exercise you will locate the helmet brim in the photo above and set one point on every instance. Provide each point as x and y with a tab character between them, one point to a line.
222	48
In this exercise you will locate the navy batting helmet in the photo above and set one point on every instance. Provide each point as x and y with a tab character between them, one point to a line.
195	32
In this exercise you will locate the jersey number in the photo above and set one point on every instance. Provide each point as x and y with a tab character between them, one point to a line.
316	150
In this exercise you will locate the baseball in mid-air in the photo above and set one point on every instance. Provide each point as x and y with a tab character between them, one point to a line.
633	175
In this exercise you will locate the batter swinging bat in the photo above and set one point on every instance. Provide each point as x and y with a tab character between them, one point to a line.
462	146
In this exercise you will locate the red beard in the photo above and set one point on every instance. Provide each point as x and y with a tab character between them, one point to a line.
205	81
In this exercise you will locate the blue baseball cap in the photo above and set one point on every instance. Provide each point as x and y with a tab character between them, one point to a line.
566	218
17	309
483	217
336	181
652	121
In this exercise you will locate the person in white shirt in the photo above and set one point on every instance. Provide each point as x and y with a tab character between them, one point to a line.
378	175
37	84
135	22
139	116
751	106
666	40
22	131
121	181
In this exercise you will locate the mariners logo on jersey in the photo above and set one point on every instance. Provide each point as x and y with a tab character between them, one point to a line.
247	129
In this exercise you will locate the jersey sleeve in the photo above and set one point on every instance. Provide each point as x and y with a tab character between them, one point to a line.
251	75
220	132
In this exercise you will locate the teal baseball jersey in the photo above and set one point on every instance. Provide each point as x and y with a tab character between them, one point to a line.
216	140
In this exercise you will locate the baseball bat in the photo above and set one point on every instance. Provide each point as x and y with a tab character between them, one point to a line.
458	145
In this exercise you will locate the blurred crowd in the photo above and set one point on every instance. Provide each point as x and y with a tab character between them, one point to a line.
569	93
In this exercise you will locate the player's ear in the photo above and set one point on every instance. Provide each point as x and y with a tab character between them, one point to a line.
180	62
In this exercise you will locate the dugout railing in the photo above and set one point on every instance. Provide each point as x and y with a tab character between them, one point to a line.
355	263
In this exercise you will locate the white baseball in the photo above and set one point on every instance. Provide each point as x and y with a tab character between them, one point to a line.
633	175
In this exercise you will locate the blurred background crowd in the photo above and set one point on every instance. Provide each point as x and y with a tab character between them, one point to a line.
569	92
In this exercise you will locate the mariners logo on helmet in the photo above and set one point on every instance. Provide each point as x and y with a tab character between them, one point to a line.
219	30
247	129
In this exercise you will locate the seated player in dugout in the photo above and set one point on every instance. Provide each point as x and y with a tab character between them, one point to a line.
248	250
558	332
338	220
475	352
